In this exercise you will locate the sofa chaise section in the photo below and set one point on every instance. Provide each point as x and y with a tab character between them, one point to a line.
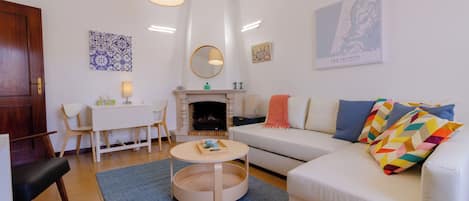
269	146
352	174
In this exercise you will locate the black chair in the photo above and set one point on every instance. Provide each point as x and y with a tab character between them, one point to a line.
30	180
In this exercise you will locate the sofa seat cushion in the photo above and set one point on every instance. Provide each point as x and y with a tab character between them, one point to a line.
351	174
299	144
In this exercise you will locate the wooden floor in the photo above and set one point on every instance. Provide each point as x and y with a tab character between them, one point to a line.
81	181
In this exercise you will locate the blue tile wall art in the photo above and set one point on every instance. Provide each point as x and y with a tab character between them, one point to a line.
110	52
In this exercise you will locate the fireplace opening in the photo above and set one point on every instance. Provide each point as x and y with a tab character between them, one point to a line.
208	116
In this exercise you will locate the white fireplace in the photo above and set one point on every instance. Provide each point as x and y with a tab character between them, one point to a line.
199	116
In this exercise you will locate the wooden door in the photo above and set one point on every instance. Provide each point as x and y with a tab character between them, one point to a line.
22	102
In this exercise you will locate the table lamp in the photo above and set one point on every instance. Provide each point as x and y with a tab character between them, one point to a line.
127	90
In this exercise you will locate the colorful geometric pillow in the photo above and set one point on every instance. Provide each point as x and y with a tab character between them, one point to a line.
410	140
376	122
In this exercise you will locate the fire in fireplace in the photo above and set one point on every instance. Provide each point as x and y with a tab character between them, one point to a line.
208	116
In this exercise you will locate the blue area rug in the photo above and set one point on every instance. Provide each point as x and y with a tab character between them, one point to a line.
151	182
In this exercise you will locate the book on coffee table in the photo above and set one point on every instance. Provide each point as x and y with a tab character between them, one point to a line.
222	148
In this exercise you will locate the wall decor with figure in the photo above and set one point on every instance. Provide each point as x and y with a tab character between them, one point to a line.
262	52
110	52
349	33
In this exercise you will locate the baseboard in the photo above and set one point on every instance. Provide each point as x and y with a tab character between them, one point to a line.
88	150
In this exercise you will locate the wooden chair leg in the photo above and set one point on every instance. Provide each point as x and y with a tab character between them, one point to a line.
78	144
106	139
64	145
159	136
93	146
62	190
167	133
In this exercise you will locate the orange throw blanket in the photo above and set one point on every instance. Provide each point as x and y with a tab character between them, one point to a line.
278	112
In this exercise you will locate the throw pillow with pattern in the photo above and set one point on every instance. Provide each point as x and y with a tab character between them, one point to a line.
411	140
377	119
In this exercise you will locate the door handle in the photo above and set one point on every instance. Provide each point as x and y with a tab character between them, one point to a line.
38	85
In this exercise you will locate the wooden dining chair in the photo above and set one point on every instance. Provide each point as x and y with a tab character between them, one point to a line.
161	108
70	112
160	111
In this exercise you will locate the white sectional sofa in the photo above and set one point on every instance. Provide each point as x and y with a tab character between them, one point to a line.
321	168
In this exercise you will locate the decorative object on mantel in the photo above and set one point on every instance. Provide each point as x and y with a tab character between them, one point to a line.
349	33
105	101
170	3
262	52
207	86
127	90
180	88
241	85
235	85
110	52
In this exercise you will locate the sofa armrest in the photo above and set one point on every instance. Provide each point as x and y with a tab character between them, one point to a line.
445	174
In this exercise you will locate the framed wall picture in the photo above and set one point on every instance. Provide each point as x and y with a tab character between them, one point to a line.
349	33
262	52
110	52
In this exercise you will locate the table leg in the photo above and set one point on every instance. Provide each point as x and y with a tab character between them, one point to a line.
149	138
246	165
98	146
218	182
171	171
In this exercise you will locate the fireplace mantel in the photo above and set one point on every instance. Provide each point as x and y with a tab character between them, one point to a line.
215	91
186	97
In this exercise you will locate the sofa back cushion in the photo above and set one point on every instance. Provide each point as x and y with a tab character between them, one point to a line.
297	110
322	115
251	104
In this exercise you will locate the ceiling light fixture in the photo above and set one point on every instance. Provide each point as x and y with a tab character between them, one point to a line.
168	2
251	26
162	29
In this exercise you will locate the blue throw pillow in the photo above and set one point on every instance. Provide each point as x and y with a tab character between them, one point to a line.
444	112
398	111
351	119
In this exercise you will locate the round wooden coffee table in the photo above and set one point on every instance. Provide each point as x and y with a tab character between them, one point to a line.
210	179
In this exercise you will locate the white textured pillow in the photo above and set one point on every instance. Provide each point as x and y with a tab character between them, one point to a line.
297	110
251	104
322	115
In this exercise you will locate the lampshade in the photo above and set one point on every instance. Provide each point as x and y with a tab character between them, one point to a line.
168	2
215	58
127	89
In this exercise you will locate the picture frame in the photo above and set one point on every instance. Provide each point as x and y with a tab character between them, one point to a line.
262	52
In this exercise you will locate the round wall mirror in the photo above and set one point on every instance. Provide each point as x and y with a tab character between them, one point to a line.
207	61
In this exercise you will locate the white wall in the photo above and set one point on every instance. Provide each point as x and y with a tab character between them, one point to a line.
214	22
6	192
157	57
205	27
426	46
